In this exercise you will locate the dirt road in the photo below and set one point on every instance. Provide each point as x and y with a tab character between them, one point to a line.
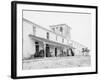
57	62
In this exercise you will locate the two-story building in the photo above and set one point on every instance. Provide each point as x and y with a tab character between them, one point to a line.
41	42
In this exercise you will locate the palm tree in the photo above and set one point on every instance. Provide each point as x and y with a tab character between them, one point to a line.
85	50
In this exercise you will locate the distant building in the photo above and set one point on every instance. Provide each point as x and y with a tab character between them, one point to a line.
41	42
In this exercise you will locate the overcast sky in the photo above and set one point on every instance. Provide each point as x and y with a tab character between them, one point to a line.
80	23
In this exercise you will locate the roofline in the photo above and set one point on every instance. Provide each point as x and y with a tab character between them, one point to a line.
60	24
42	27
79	43
50	41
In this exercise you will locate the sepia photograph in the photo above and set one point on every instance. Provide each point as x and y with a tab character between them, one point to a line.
53	39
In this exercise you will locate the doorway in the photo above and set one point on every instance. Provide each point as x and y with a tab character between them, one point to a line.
37	47
56	52
47	51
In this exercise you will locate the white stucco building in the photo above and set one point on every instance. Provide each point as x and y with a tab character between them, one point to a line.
41	42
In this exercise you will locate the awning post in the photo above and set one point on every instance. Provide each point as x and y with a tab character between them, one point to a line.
44	46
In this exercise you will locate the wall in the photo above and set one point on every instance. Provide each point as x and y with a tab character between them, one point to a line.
67	32
41	33
28	43
52	36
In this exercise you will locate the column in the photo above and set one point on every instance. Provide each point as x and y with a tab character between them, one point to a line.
44	45
54	51
66	51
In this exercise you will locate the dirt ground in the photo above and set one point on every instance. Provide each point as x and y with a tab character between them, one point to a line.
57	62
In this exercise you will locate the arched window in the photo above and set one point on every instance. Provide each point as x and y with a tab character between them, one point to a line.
61	29
47	35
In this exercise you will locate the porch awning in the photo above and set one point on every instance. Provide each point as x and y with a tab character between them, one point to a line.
49	41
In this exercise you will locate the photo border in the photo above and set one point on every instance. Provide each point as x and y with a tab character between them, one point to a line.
14	38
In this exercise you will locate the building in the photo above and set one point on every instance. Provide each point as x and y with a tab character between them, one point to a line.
41	42
62	29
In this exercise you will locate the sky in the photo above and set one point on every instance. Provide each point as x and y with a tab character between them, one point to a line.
80	23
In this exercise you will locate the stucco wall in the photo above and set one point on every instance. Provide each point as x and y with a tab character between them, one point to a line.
40	32
52	36
59	39
28	43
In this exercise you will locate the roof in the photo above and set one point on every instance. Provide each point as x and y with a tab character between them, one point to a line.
49	41
61	25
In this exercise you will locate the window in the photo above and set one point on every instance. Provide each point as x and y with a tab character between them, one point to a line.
47	35
36	43
37	47
61	29
56	27
62	40
34	30
53	29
